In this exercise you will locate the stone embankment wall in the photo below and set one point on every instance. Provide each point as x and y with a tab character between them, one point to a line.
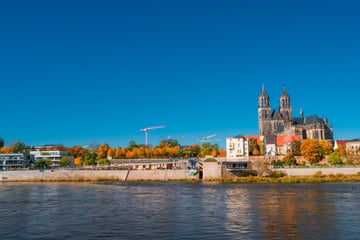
312	171
96	175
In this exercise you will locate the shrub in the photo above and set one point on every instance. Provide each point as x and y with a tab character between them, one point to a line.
210	160
318	174
277	174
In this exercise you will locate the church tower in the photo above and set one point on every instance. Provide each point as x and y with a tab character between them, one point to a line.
285	106
264	114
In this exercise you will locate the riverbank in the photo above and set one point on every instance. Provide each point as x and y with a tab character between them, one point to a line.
97	175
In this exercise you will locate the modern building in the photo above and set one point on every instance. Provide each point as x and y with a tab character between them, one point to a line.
15	160
53	156
237	148
281	121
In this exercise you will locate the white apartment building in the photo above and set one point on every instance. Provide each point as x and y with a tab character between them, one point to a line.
237	148
53	156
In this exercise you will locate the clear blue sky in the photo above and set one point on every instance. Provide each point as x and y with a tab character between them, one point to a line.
76	72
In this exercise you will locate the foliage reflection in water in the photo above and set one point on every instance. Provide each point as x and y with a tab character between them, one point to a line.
178	210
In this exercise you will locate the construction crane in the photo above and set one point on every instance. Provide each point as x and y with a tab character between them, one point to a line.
146	130
169	137
205	139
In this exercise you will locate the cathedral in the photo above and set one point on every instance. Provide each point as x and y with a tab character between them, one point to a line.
281	121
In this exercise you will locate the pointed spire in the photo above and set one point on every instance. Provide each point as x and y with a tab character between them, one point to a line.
263	91
301	112
284	93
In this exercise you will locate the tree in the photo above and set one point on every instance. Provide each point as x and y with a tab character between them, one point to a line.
289	159
132	145
312	151
43	164
78	161
327	148
103	150
6	150
103	161
18	147
341	149
261	167
2	143
64	162
120	153
254	146
295	148
172	143
77	151
111	153
89	158
222	153
334	158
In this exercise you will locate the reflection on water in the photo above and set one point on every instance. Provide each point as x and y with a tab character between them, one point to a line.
178	211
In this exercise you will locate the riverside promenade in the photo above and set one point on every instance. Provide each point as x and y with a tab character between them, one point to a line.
96	175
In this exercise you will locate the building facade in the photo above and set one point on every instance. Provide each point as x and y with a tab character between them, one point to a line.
353	147
281	121
237	148
15	160
53	156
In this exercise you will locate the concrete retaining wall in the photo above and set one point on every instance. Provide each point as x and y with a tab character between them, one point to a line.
95	175
312	171
211	170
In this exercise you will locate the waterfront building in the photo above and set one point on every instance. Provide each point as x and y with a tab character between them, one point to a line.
15	160
237	148
353	147
53	156
281	121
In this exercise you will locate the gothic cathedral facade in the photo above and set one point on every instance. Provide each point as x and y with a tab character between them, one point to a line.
281	121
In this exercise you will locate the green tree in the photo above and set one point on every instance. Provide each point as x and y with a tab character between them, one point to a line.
89	158
312	151
132	144
289	159
172	143
18	147
43	164
103	161
335	159
64	162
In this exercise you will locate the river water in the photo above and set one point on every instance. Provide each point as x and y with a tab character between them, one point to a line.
179	210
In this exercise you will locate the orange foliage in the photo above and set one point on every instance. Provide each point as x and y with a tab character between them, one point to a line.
6	150
222	153
130	155
77	161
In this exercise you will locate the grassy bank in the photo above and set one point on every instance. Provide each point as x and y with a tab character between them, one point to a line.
298	179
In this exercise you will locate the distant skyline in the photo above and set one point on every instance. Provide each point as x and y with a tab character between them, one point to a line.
77	72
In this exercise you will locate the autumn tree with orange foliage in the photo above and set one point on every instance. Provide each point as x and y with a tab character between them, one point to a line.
222	153
6	150
326	145
102	151
78	161
312	151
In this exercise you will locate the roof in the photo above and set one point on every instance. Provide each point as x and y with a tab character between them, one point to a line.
238	136
276	115
283	139
313	119
341	142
